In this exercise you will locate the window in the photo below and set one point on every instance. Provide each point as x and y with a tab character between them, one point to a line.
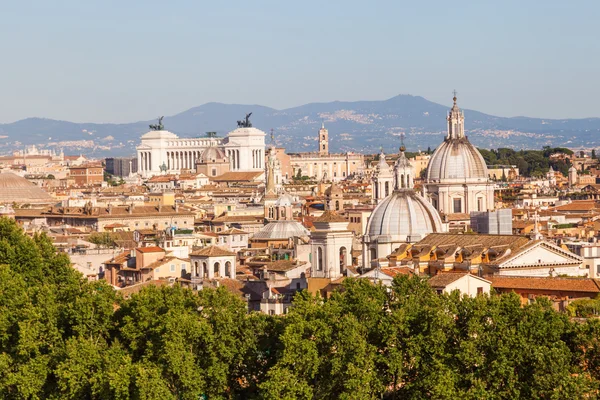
319	259
480	290
271	312
479	204
457	205
172	267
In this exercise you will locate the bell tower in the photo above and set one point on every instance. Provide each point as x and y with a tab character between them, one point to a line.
323	141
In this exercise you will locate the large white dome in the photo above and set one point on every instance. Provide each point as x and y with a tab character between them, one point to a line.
457	159
402	216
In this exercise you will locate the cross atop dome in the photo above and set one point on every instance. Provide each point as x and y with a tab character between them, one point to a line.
456	121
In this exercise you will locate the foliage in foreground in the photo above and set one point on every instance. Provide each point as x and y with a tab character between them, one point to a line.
64	338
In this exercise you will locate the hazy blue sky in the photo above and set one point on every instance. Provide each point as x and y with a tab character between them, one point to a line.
117	61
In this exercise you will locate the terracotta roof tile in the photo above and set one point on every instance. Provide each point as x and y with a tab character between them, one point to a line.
150	249
236	176
443	279
559	284
212	251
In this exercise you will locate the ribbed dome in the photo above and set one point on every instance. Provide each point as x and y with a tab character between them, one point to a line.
212	154
402	216
281	230
457	159
285	200
14	188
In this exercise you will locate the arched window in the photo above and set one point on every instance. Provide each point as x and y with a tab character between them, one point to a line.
337	205
204	270
319	259
387	189
196	268
217	266
228	269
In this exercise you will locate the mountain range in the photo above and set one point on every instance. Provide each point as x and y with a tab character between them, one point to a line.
363	126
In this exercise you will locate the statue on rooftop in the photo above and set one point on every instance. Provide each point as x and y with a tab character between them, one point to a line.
159	126
245	123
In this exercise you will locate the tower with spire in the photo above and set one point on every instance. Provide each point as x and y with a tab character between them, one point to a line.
271	192
456	121
323	141
404	172
383	179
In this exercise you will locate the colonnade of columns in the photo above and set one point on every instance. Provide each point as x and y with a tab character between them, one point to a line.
234	159
257	158
145	161
183	159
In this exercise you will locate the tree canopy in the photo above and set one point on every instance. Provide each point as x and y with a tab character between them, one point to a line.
62	337
531	163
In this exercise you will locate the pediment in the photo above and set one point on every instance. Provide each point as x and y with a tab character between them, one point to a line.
540	254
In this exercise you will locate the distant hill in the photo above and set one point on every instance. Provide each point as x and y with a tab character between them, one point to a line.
353	126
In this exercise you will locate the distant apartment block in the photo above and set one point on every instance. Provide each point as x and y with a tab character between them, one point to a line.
121	166
497	222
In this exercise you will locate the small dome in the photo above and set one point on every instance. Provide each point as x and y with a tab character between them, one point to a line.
281	230
456	159
212	154
285	200
14	188
159	135
403	216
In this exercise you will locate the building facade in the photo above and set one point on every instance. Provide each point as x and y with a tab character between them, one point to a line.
161	151
121	166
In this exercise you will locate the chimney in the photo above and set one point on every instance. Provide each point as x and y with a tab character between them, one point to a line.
130	209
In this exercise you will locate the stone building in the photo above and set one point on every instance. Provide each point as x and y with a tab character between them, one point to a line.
331	246
323	165
163	151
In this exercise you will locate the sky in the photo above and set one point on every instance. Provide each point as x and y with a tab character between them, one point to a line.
125	61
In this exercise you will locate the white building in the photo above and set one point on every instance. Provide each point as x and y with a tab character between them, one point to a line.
331	246
467	284
162	151
457	176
